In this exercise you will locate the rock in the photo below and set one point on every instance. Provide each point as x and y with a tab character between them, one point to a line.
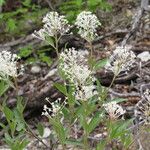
46	133
144	56
35	69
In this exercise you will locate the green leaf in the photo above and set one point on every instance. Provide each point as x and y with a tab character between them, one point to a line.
8	139
74	142
59	129
3	87
11	25
20	105
119	100
101	63
78	3
45	59
71	97
94	122
12	126
65	112
19	120
27	3
8	113
2	2
101	145
2	125
119	128
61	88
25	51
23	144
50	40
40	129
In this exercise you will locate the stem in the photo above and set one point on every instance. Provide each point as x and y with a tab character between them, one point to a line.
16	85
64	147
85	138
91	49
91	61
56	45
85	141
33	134
114	77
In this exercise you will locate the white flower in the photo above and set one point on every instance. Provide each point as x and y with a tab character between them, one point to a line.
74	65
46	111
85	92
114	110
142	109
40	34
122	59
87	23
53	24
54	109
8	64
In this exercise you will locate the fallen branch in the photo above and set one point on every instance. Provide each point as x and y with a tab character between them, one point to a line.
124	95
136	21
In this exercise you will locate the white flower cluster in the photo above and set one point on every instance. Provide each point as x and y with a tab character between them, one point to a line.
54	109
142	109
122	59
85	92
74	66
53	24
114	110
87	23
8	64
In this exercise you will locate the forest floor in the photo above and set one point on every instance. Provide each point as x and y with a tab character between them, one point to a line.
118	27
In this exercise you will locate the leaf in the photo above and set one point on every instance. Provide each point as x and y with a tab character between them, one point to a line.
19	120
23	144
11	25
78	3
40	129
8	139
12	126
45	59
101	145
50	40
119	128
3	87
25	51
65	112
74	142
27	3
20	105
118	100
94	122
61	88
2	2
71	97
8	113
100	64
2	125
59	129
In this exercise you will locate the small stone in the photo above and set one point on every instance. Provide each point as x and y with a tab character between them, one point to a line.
47	133
98	135
35	69
105	133
144	56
